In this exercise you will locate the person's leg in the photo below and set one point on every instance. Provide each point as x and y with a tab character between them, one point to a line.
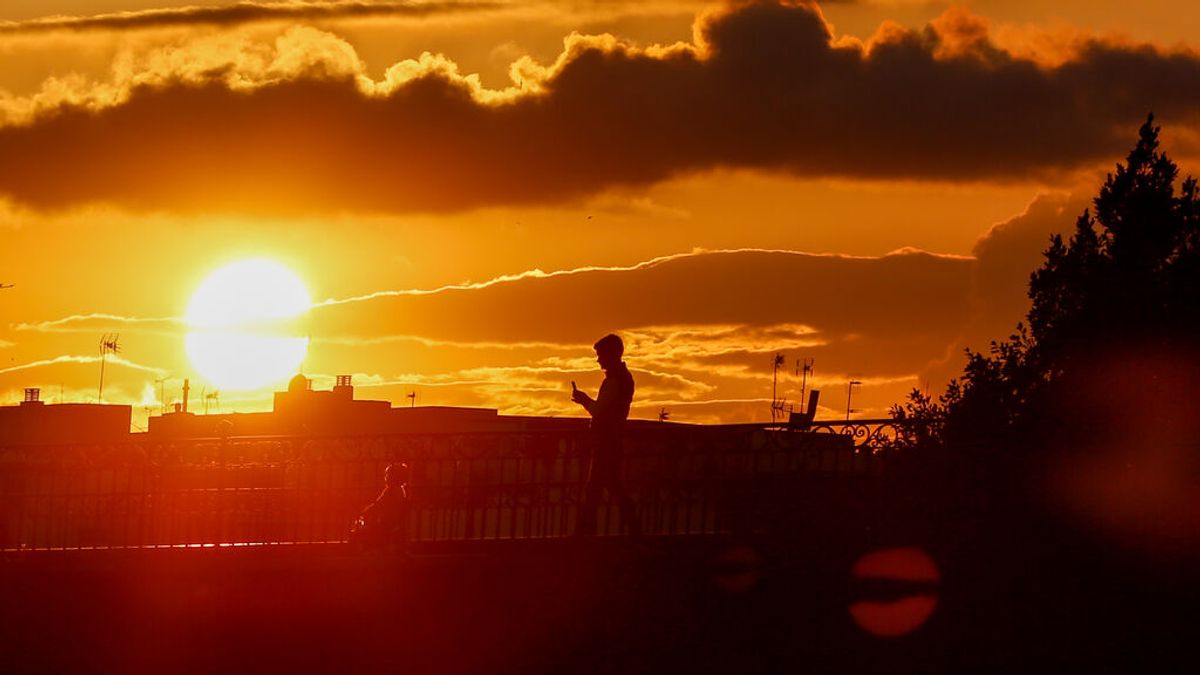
631	521
607	476
585	519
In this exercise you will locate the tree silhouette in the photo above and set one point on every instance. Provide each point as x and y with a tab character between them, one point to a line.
1125	285
1077	432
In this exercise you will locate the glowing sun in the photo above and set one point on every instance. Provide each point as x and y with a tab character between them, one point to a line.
243	321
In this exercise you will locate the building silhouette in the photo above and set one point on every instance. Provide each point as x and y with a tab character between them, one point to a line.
34	422
302	410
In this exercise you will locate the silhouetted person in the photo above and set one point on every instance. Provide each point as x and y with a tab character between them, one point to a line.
609	410
384	522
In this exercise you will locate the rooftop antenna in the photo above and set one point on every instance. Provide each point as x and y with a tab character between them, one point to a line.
412	398
776	404
664	415
162	395
109	344
804	368
215	397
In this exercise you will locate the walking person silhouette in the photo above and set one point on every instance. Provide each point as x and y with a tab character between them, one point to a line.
609	410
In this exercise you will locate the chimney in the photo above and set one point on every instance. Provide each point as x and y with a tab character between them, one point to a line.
344	388
803	421
187	387
813	396
33	396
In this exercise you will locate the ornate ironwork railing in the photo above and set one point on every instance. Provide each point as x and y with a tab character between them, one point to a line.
868	435
684	480
877	435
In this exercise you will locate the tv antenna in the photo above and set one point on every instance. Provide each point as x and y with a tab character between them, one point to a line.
804	368
664	415
215	397
162	395
776	404
109	344
412	399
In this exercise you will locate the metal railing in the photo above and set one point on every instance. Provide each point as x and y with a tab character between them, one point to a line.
868	435
467	486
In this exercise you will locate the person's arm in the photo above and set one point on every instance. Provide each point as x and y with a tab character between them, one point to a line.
371	512
369	515
584	400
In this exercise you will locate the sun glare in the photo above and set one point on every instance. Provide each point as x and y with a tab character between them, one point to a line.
243	321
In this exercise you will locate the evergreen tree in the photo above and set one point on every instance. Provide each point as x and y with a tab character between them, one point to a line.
1127	281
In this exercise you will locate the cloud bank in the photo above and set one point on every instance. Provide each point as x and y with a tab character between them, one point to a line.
238	14
296	125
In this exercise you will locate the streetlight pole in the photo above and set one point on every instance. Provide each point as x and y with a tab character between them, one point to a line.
849	391
776	404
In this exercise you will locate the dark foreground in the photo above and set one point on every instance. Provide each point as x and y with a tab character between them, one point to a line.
688	604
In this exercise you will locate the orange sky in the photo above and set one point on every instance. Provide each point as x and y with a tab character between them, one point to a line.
865	183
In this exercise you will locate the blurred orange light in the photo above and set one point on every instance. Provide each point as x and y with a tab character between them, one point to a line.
894	618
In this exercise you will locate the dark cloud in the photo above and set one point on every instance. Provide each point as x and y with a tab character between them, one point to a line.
767	86
236	14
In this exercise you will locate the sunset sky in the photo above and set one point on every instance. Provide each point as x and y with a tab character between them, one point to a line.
473	192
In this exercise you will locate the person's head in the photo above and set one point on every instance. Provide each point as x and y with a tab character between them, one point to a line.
395	474
609	350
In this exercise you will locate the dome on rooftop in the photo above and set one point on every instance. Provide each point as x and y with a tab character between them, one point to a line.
298	383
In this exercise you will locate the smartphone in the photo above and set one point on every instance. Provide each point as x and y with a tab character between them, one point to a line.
573	387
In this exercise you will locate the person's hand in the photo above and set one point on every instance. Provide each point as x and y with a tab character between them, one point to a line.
580	397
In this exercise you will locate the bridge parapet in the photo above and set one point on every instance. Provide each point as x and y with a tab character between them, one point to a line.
261	490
